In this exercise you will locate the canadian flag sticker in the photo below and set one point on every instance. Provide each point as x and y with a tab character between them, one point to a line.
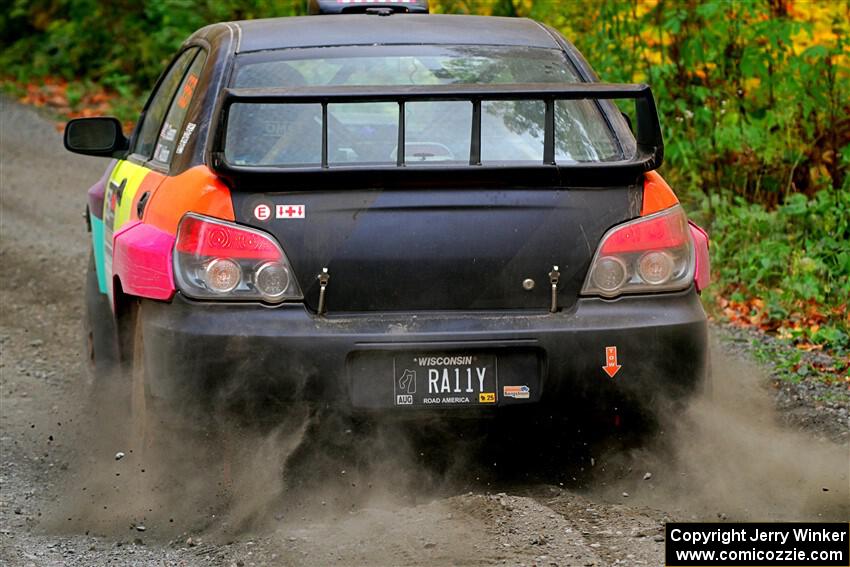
290	211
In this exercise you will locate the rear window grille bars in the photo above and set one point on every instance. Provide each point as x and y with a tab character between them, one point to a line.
649	144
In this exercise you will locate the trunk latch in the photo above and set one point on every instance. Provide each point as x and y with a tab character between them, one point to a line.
554	278
324	278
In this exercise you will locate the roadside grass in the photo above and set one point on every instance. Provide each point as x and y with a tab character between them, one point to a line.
833	397
790	364
785	270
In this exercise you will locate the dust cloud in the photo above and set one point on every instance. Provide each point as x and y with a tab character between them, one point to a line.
179	478
728	457
724	457
229	473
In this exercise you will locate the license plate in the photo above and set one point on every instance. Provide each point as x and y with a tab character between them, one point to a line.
445	380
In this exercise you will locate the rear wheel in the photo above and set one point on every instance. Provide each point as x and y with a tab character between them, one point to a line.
140	430
100	330
161	429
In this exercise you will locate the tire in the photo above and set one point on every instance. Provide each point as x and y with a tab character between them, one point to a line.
155	423
141	434
159	435
100	330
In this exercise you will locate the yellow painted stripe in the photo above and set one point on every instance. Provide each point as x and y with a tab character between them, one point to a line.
134	174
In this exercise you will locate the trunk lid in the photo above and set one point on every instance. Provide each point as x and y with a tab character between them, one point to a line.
439	249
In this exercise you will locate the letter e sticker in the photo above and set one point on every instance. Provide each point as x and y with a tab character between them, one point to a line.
262	212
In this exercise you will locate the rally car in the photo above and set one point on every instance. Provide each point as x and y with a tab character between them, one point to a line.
383	210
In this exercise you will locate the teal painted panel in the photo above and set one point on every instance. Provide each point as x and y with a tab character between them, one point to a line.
97	246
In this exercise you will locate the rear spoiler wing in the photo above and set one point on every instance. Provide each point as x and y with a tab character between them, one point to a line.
648	155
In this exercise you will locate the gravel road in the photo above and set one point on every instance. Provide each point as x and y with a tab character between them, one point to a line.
67	499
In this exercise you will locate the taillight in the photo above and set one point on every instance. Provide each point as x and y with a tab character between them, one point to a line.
215	259
649	254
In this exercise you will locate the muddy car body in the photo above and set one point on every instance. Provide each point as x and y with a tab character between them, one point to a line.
262	236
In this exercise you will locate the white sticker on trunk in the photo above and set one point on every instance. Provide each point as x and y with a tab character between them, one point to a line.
262	212
290	211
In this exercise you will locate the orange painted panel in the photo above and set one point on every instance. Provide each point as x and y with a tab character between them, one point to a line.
657	195
197	190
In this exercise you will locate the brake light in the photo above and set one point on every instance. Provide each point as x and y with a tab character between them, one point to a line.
215	238
215	259
650	233
649	254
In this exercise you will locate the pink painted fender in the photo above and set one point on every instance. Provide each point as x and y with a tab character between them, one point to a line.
702	271
141	259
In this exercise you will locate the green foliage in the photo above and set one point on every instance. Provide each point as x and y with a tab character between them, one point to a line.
755	98
121	44
795	258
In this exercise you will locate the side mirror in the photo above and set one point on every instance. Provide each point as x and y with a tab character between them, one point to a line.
101	136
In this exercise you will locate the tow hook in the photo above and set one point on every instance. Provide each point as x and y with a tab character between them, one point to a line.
324	278
554	278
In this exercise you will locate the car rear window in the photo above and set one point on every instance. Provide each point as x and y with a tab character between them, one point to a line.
435	132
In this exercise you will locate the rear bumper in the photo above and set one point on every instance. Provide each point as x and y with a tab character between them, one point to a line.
238	353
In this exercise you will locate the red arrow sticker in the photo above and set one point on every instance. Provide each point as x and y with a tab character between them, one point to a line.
611	367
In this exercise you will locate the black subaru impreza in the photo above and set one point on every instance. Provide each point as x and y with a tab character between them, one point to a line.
389	211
